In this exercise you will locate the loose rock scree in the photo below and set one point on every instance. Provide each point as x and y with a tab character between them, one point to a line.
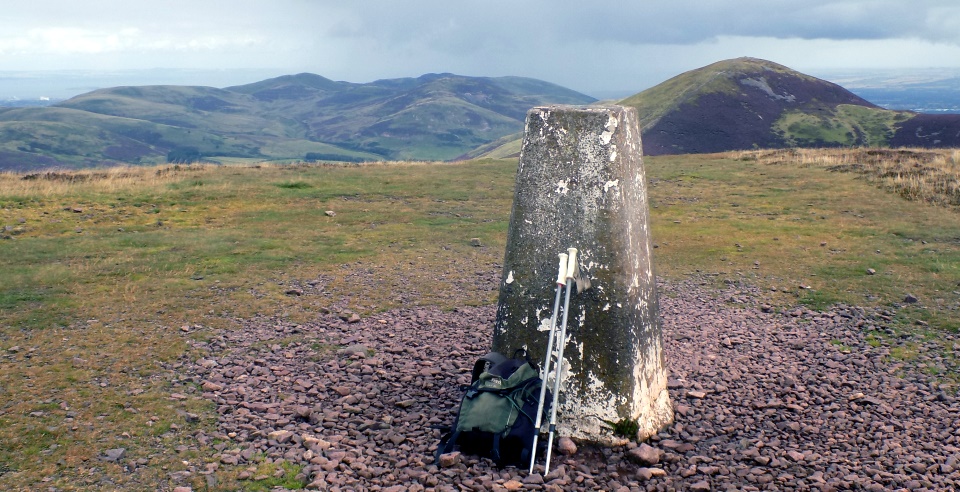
797	400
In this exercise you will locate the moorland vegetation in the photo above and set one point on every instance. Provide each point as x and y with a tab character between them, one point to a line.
109	274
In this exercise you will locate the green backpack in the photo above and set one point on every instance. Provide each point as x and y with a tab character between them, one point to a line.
498	411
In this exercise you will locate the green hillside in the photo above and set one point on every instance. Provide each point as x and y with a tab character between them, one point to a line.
76	138
846	125
186	107
502	148
288	118
32	138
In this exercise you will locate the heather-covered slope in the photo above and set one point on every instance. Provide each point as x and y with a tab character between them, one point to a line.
750	103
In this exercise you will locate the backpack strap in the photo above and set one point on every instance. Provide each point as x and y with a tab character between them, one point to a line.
490	360
446	445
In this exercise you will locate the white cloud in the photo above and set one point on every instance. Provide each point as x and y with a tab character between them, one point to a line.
79	41
72	40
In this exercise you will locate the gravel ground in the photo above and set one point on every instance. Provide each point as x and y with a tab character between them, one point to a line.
793	400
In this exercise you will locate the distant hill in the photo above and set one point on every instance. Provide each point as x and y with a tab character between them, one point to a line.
303	116
751	103
736	104
748	103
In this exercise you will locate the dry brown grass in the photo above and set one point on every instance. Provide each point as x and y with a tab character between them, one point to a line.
927	175
135	178
107	180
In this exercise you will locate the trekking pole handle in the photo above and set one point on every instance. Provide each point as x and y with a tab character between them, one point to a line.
562	274
572	264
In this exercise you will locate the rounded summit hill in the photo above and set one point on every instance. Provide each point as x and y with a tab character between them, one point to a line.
748	103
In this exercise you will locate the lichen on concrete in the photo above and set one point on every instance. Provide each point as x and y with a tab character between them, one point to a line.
580	183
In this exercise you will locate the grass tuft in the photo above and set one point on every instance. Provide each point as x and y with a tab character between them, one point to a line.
270	476
294	185
624	428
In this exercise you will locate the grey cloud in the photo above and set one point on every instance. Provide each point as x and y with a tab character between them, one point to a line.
584	45
645	22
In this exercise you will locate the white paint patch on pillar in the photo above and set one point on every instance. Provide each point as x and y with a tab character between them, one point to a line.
544	325
612	123
652	390
605	137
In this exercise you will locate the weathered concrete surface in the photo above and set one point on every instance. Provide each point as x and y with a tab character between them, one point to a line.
581	184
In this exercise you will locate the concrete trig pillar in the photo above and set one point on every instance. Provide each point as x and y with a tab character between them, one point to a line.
581	184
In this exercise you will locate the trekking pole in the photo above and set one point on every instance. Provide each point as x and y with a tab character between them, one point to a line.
571	268
561	281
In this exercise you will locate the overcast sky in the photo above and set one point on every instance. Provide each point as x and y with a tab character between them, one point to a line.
596	47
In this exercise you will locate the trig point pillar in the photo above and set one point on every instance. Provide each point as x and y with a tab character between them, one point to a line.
581	184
